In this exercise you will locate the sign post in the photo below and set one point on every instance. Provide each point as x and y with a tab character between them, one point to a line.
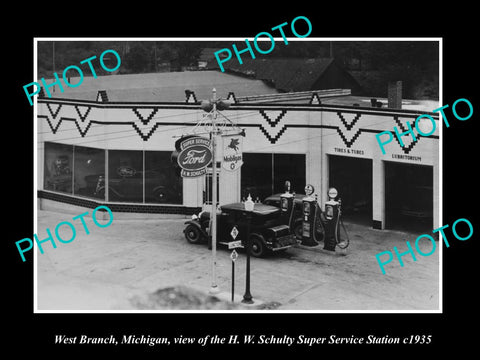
233	256
233	245
249	206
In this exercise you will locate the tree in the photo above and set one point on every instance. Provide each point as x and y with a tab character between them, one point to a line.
137	60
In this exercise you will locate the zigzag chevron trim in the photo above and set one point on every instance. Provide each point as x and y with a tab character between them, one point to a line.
272	139
141	118
352	141
273	123
349	127
49	122
275	138
82	132
352	124
84	116
146	137
54	114
55	128
405	149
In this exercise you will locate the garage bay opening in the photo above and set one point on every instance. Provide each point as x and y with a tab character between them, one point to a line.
352	177
408	197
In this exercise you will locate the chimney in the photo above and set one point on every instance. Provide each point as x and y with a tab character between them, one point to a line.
395	94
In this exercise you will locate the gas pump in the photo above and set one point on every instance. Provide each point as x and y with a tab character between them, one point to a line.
286	205
309	208
331	220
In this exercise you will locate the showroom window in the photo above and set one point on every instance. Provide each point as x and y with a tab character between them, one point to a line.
58	171
162	185
125	175
133	175
89	172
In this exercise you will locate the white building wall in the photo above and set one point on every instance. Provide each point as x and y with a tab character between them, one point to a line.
314	130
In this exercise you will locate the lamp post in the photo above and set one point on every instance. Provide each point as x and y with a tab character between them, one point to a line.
249	205
214	289
212	107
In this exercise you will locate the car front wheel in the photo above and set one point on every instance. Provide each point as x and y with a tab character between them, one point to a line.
257	247
193	234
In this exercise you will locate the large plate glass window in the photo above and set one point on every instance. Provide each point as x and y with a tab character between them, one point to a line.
89	172
58	168
162	185
125	175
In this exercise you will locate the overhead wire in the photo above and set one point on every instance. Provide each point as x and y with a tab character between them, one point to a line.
241	116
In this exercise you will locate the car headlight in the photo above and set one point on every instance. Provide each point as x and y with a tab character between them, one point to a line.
194	217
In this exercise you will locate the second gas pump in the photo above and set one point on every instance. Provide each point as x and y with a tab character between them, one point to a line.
314	218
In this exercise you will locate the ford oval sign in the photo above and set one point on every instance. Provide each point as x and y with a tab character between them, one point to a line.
194	157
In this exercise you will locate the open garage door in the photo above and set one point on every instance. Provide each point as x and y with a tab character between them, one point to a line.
408	197
352	177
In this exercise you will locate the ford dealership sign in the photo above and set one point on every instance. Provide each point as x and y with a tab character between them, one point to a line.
194	157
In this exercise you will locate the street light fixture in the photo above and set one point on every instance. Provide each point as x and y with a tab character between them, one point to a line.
249	206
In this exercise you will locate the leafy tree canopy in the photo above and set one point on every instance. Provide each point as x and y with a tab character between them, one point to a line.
372	63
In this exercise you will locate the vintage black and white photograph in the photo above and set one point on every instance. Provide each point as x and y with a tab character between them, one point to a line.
321	158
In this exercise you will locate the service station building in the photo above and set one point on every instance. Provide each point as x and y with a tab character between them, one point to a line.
110	141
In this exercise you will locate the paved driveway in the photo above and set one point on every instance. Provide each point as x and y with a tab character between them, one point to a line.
109	267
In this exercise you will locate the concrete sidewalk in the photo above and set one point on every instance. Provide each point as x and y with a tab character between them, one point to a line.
122	266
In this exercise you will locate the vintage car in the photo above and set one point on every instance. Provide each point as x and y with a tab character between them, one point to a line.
268	229
274	200
130	187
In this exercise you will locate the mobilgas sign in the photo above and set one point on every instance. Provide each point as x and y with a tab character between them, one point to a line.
232	152
194	157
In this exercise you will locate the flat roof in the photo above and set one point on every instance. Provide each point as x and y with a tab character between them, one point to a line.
171	86
363	101
162	87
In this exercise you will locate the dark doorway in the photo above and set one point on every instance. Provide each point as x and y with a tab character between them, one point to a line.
264	174
352	177
408	197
